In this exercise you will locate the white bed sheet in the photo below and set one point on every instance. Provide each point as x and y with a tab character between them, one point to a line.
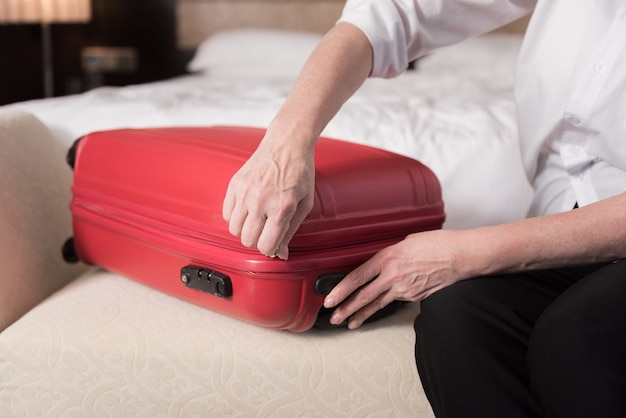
459	119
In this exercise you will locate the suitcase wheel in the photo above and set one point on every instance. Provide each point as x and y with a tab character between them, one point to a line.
70	158
69	251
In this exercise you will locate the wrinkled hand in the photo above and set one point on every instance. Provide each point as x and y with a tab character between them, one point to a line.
410	270
269	197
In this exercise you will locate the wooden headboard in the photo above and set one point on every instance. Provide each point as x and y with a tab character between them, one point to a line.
197	19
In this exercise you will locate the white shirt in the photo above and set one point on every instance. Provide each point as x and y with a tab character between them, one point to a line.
570	88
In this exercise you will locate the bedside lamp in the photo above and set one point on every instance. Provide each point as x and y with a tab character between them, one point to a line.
45	12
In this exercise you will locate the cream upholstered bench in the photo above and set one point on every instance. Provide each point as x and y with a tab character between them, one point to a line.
104	345
35	192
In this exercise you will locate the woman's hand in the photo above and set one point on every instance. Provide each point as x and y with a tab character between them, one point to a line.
410	270
270	195
425	262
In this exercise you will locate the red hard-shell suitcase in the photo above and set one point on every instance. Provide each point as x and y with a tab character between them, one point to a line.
147	204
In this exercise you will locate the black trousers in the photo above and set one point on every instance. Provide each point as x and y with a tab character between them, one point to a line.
539	344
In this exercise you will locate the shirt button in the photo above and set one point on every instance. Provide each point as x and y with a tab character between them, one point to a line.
575	121
600	67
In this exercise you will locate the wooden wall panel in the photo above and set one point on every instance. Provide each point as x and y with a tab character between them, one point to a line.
198	19
149	26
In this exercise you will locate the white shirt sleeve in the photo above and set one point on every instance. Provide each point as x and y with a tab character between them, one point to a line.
402	30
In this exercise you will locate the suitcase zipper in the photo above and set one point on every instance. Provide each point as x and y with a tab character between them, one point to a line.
127	219
114	216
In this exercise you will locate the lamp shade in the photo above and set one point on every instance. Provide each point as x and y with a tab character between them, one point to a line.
45	11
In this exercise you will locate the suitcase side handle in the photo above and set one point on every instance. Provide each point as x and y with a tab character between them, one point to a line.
207	280
68	251
324	284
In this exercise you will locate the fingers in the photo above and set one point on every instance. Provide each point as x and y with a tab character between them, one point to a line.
359	296
251	230
361	315
266	218
278	230
362	304
357	278
269	232
301	213
255	229
409	270
229	204
271	236
270	196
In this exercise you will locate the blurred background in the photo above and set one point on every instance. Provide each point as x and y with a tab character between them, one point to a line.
138	36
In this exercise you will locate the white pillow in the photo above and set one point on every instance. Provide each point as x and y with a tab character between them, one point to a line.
263	52
492	52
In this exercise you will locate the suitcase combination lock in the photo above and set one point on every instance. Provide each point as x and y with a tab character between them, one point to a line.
207	280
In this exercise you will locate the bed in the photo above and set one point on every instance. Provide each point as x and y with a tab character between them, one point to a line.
103	345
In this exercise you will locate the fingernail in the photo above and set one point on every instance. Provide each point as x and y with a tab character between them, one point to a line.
335	319
282	253
329	303
353	325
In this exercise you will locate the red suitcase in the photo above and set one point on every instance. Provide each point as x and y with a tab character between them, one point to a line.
147	204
